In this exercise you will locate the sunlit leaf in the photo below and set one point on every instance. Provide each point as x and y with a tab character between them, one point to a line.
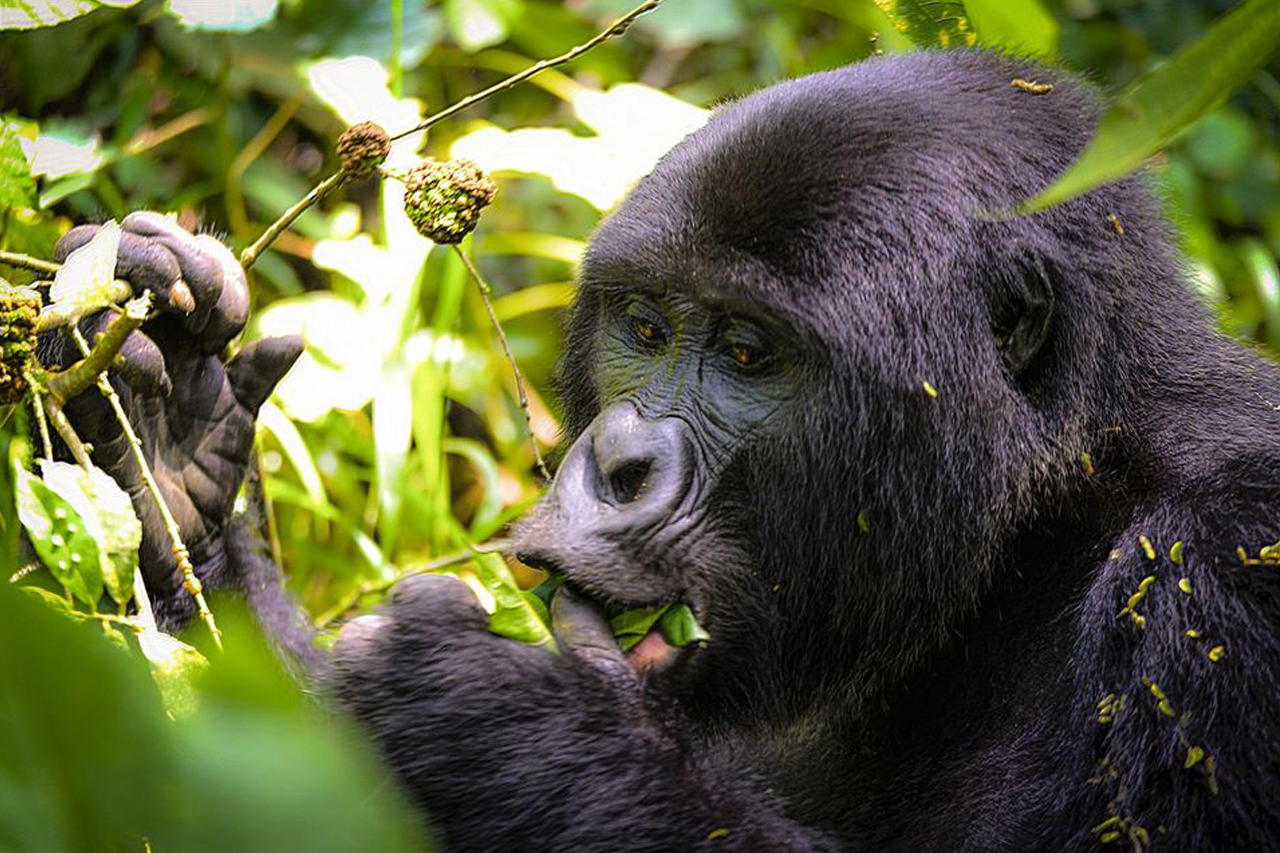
931	23
27	14
1166	100
108	517
17	187
59	536
1023	25
84	282
517	614
477	24
173	665
237	16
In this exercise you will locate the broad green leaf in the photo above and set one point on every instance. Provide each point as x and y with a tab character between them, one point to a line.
59	536
173	665
517	615
1019	24
28	14
680	628
108	517
85	281
931	23
477	24
674	621
17	187
1167	99
630	626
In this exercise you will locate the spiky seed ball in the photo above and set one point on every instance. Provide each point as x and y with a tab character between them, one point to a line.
19	310
362	148
444	200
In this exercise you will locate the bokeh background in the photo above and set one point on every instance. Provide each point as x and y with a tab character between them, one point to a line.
398	441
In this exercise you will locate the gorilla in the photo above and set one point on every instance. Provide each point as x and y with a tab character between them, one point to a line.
977	509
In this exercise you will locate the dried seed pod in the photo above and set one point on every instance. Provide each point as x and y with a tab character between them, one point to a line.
444	200
362	148
19	311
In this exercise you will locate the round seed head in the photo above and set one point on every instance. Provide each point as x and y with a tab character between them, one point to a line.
19	310
362	148
444	200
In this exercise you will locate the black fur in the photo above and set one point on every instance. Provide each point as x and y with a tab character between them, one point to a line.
1010	407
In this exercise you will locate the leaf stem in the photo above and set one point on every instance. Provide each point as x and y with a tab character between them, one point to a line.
66	384
26	262
511	359
617	28
37	403
328	185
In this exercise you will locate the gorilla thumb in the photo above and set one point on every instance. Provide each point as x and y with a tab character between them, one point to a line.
254	372
584	630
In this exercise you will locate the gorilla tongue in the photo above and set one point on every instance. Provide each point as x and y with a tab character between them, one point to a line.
649	652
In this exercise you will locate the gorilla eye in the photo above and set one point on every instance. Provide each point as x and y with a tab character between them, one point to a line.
646	330
646	325
744	355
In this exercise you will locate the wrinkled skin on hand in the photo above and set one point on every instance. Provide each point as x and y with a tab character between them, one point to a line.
193	412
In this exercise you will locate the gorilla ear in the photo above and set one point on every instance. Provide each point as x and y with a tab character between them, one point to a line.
1023	313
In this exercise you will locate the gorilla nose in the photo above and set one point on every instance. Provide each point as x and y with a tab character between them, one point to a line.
631	453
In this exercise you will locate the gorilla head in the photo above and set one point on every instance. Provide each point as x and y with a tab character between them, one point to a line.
816	384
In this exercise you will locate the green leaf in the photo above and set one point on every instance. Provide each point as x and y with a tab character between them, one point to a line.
630	626
17	187
108	517
680	628
28	14
517	615
931	23
173	665
1019	24
60	537
85	281
1167	99
477	24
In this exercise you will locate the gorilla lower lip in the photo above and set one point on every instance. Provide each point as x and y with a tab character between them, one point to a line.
650	652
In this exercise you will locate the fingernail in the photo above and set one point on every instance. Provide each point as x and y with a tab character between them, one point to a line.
180	297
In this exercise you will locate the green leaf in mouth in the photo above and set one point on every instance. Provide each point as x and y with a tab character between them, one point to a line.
675	622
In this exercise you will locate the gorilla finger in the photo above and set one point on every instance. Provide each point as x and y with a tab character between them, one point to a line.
231	311
150	266
72	240
140	362
257	368
437	599
585	630
196	294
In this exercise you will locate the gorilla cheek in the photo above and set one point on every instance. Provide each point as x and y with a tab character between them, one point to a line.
615	508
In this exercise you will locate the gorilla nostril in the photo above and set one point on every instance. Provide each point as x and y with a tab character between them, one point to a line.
626	482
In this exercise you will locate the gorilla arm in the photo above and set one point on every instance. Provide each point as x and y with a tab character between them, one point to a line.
511	747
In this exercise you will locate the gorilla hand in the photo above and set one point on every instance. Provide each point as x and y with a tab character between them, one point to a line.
193	414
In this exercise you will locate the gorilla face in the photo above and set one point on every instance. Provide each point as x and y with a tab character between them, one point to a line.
688	375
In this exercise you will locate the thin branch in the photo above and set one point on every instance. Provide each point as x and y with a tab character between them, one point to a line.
68	435
511	359
66	384
26	262
53	318
493	546
190	582
37	403
617	28
328	185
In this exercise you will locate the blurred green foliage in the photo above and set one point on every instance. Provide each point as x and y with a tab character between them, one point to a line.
397	442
